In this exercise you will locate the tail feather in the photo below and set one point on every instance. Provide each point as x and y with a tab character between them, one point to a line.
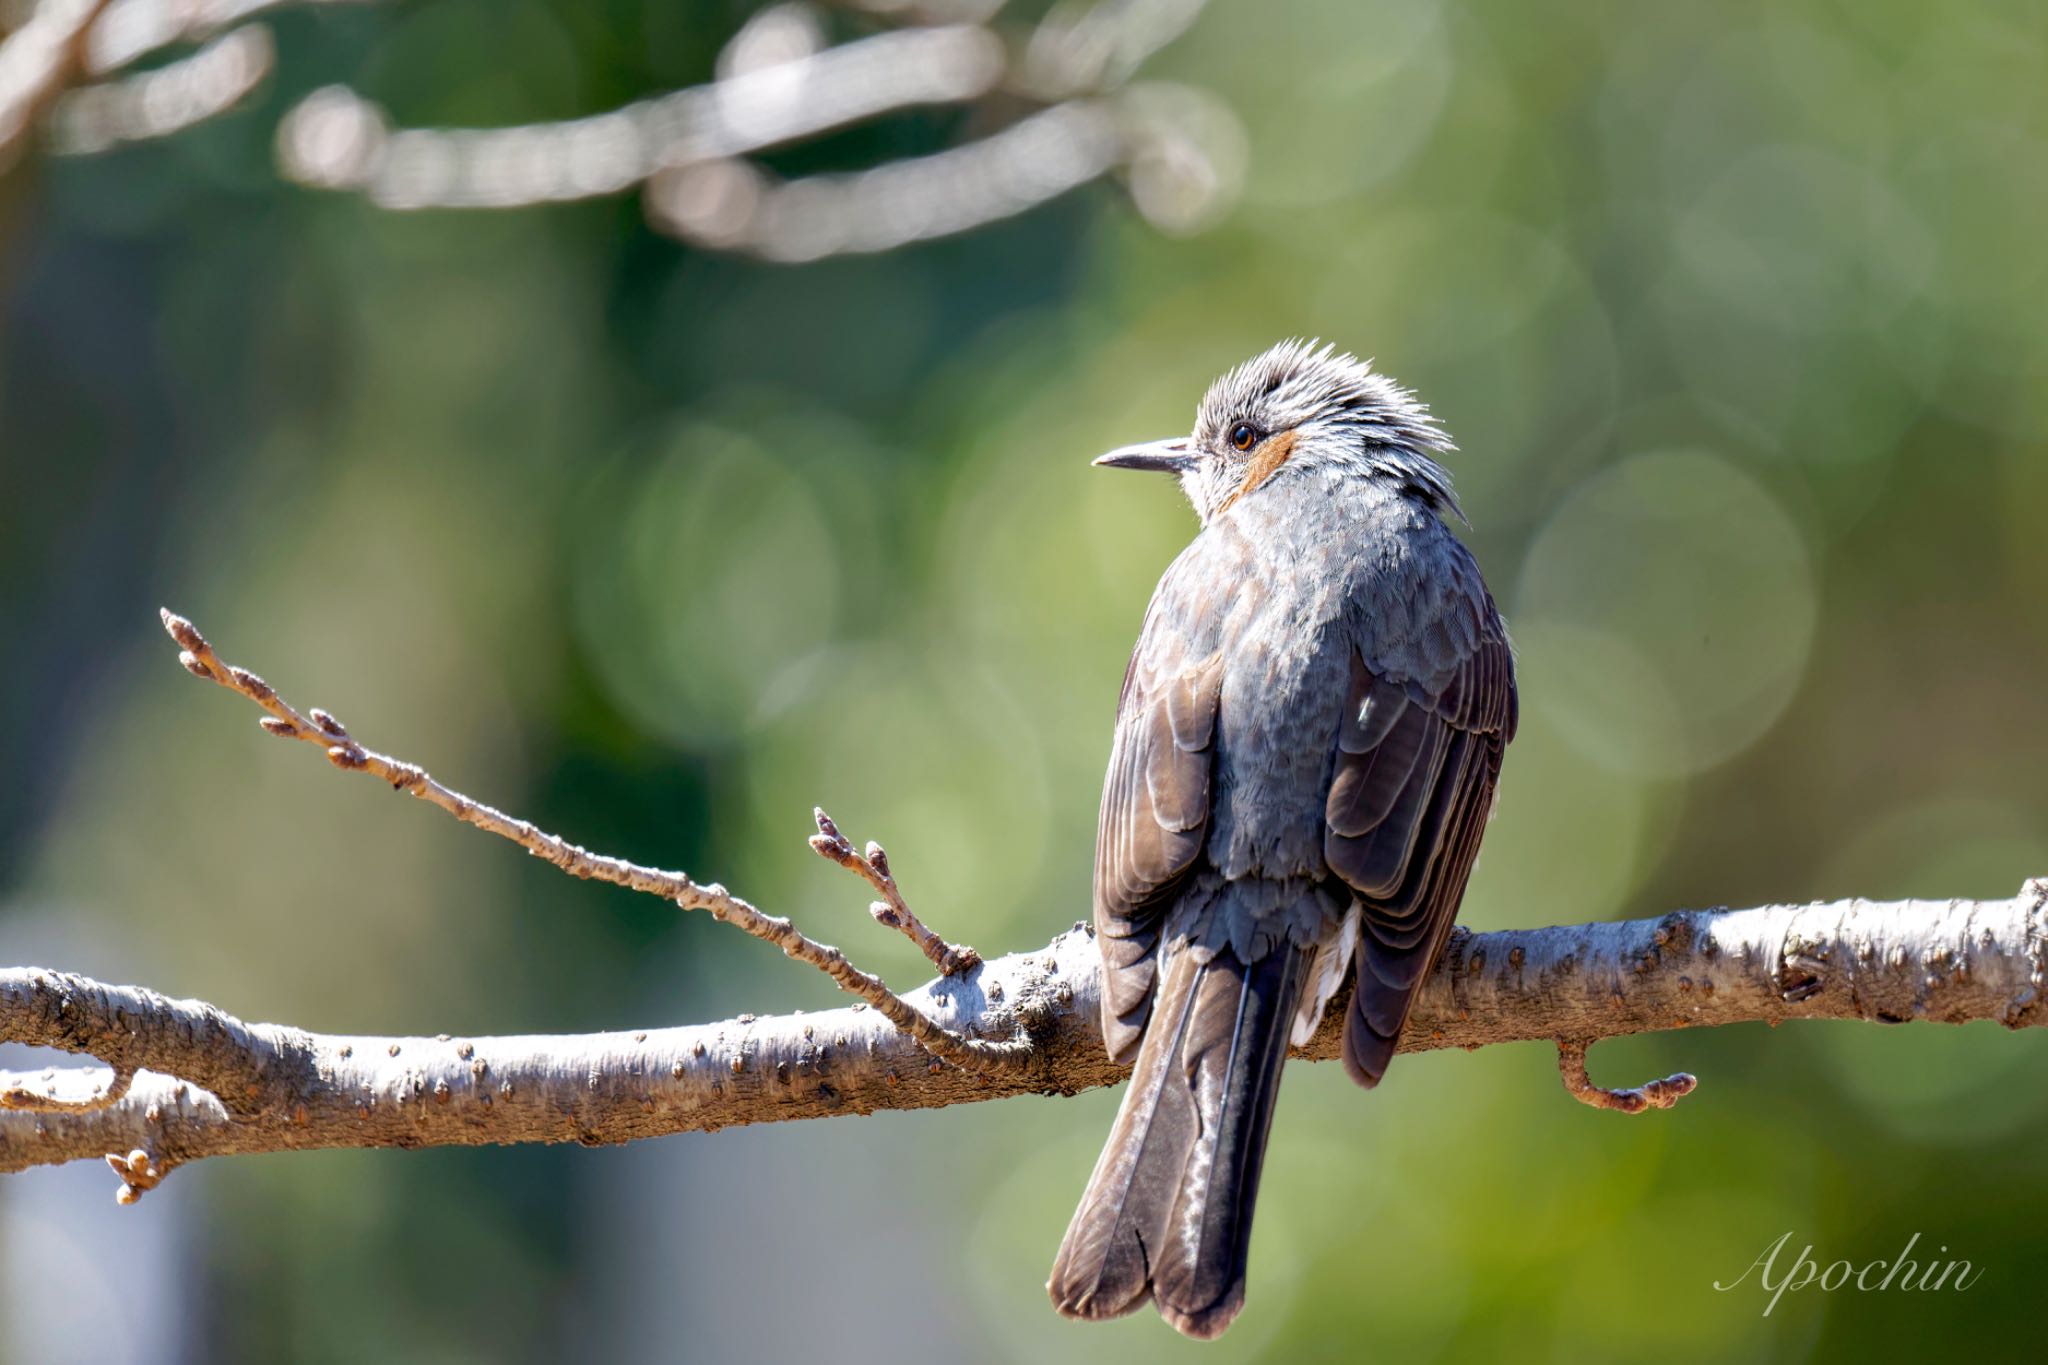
1168	1212
1104	1267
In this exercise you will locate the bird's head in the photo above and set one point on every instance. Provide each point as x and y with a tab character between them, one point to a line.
1300	408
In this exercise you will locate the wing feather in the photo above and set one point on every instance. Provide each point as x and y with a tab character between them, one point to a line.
1404	818
1155	799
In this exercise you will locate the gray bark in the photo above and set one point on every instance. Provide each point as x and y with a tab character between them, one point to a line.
207	1084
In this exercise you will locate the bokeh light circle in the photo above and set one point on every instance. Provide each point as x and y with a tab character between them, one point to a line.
1394	89
717	566
1666	613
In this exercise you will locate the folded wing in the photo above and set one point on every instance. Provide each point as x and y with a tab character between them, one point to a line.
1155	810
1410	792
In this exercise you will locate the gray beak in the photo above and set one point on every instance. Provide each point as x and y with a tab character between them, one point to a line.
1168	457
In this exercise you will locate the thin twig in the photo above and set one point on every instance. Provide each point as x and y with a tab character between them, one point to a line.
1657	1094
890	912
316	726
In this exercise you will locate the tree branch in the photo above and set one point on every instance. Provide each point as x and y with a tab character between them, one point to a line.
213	1085
190	1080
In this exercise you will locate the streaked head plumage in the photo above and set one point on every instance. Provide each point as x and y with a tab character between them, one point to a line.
1299	407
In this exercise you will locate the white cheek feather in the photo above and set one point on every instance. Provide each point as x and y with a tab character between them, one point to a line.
1326	973
1195	484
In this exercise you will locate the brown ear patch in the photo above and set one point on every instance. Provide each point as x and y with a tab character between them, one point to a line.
1272	453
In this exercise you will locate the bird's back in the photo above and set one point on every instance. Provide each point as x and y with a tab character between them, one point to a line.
1295	588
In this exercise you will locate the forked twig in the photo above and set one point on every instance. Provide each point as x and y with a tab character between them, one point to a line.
316	726
890	912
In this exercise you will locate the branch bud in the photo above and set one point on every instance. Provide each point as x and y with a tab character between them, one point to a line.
184	632
825	825
249	683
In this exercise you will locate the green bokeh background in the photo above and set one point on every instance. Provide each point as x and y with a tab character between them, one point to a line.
1737	314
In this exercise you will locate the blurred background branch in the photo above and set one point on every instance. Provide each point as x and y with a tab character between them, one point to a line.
1052	102
40	55
287	1089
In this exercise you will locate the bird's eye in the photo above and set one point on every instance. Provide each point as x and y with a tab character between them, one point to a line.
1244	436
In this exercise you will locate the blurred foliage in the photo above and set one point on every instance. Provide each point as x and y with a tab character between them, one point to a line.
1736	313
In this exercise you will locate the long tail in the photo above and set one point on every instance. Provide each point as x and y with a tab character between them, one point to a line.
1168	1212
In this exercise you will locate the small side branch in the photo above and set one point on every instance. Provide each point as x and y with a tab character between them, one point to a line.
1657	1094
890	912
315	726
